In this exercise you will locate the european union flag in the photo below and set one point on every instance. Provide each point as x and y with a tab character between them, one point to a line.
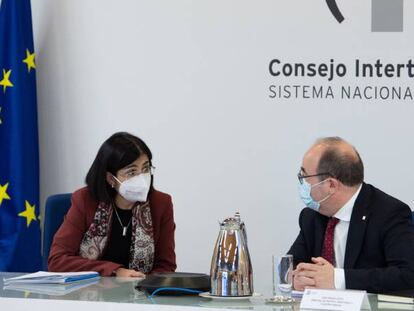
19	155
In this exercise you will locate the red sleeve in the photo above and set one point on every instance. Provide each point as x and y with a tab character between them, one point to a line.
64	252
164	257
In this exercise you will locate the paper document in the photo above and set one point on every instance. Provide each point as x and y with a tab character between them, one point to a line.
51	289
297	294
395	299
43	277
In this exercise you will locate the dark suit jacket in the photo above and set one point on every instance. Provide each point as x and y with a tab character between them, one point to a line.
64	253
379	254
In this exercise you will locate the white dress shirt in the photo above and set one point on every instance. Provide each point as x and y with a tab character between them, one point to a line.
340	237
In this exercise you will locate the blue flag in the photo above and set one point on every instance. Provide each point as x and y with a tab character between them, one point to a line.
19	154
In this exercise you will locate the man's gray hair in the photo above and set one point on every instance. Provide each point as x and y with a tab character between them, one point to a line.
343	165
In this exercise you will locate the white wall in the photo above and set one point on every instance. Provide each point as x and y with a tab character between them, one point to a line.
191	78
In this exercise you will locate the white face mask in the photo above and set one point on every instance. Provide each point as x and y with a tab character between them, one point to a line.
136	188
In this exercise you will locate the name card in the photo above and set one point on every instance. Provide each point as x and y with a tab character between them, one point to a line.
338	300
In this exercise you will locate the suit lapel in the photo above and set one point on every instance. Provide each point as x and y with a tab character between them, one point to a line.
357	226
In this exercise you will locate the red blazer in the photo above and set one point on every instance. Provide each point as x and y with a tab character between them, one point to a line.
64	252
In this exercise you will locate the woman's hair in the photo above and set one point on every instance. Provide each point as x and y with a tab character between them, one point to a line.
118	151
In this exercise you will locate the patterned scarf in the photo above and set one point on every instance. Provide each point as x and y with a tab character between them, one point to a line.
141	256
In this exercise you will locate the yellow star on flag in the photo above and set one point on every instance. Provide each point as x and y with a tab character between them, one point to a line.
29	213
6	80
30	60
3	193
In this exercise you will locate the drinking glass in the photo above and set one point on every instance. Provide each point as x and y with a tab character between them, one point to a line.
282	277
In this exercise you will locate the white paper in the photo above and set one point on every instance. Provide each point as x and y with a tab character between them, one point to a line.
338	300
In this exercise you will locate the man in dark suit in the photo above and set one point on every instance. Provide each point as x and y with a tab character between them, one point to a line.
352	235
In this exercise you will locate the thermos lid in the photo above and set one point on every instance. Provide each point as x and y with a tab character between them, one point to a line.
232	223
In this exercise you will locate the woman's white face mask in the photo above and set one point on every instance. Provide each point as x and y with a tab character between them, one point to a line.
135	189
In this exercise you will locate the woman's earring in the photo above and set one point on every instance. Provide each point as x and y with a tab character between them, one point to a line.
112	185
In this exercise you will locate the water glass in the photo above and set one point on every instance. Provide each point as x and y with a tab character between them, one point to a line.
282	276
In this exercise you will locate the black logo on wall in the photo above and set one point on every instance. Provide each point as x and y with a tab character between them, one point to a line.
386	15
333	7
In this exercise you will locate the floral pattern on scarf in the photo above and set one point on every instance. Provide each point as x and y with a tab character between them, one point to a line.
142	241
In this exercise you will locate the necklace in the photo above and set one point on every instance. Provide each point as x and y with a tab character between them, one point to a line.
124	229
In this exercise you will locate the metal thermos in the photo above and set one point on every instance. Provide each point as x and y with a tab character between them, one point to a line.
231	271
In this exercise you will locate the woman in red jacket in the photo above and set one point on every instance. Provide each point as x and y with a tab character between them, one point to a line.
118	224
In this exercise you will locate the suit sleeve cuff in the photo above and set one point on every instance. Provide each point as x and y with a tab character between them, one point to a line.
339	278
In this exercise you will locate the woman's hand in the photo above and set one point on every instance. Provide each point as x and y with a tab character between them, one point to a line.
128	273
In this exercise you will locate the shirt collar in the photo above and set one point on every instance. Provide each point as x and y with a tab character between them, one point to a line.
345	212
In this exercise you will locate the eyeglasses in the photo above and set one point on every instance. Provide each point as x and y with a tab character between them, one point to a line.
301	177
132	172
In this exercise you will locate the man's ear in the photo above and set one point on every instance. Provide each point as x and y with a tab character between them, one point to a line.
334	185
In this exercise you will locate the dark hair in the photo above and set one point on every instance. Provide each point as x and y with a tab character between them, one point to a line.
116	152
344	166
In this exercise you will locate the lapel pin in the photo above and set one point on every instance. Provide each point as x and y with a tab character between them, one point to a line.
364	217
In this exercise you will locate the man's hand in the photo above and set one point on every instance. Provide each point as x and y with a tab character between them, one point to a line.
127	273
320	274
302	282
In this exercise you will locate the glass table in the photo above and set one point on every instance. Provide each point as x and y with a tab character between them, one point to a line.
118	290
